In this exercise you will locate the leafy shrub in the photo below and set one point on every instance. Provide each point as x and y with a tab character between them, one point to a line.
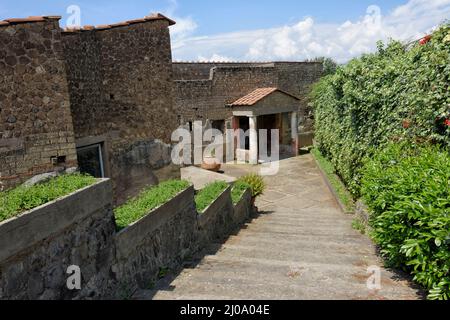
209	194
238	191
407	188
20	199
396	92
256	183
148	200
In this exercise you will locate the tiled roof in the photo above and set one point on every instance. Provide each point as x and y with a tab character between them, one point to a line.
152	17
257	95
12	21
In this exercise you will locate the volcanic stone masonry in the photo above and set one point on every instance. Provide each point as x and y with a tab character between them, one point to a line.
65	90
203	90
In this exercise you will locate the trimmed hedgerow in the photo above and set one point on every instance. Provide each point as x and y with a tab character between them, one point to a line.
20	199
395	92
407	188
238	190
148	200
205	197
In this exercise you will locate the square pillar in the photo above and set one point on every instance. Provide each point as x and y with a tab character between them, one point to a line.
253	157
294	133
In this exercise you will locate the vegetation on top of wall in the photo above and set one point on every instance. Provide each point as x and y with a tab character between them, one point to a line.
256	183
205	197
238	191
16	201
396	92
341	191
149	199
407	189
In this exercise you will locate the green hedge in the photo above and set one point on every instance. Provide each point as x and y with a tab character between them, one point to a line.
407	188
148	200
393	93
205	197
20	199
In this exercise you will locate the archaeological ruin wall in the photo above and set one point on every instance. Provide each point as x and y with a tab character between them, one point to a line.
36	132
202	90
120	84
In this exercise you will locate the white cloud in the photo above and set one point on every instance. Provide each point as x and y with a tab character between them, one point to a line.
184	27
214	58
307	39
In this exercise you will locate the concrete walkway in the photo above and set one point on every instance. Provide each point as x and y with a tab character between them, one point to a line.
301	247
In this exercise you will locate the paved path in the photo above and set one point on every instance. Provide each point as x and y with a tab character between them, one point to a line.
300	247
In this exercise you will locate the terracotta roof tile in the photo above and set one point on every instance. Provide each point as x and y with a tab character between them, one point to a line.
152	17
30	19
256	96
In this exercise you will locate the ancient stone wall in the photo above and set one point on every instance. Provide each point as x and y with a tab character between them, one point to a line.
121	90
161	240
202	90
38	247
36	131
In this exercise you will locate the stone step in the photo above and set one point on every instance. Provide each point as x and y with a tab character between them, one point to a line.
311	255
216	285
329	244
294	278
341	238
301	221
313	230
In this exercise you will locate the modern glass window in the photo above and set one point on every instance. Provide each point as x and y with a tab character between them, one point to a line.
90	160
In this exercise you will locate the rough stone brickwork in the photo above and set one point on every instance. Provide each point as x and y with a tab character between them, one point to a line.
161	240
120	81
202	90
35	119
35	254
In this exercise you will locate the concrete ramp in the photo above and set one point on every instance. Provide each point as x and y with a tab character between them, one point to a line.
200	177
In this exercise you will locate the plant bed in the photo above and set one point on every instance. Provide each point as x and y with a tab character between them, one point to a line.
16	201
238	190
336	186
148	200
209	194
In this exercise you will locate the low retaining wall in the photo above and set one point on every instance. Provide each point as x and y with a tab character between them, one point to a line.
217	220
38	247
243	209
162	239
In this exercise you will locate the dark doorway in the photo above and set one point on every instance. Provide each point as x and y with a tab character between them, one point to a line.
268	122
244	124
90	160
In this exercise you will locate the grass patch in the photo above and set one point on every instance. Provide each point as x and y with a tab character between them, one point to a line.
209	194
21	199
148	200
238	191
358	225
343	194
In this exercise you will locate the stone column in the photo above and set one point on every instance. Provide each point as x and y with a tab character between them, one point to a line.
253	158
294	133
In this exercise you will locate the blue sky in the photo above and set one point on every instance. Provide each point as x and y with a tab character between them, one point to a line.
260	29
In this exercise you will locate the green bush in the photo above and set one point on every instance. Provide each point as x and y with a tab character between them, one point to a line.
205	197
396	92
148	200
407	188
256	183
238	191
20	199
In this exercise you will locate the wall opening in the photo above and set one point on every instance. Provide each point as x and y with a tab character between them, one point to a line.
90	160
